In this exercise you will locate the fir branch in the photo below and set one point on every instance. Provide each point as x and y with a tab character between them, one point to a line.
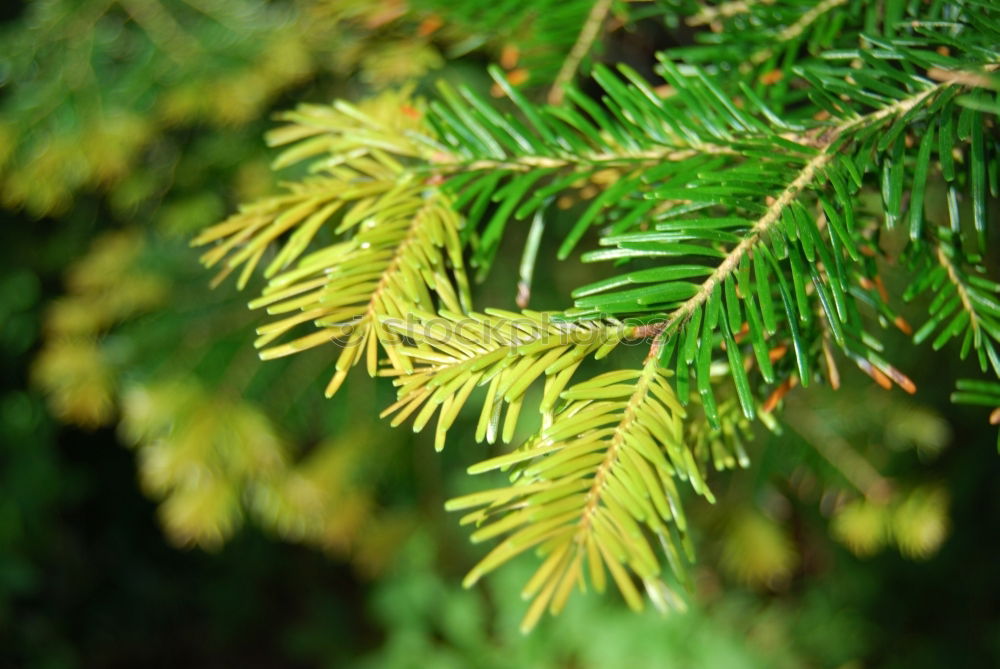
405	255
449	164
612	455
766	194
960	286
455	353
732	260
828	142
584	43
587	490
964	301
709	14
795	30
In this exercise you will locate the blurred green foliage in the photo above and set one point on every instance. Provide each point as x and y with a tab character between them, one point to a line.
124	131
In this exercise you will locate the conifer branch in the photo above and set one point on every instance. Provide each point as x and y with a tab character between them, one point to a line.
709	14
811	171
398	261
611	455
762	253
455	353
450	164
574	492
584	42
960	286
795	30
732	260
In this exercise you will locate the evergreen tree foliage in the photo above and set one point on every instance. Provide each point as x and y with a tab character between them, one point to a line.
744	206
216	442
134	341
740	214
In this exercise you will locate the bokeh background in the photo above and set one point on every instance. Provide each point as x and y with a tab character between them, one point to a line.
166	499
